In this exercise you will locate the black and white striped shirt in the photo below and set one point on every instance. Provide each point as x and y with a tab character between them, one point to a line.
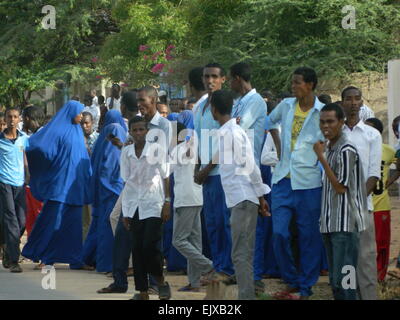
344	212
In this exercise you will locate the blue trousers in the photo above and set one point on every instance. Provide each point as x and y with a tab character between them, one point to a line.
121	253
217	217
305	206
264	258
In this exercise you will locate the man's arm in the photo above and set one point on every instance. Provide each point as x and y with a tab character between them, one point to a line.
319	150
375	158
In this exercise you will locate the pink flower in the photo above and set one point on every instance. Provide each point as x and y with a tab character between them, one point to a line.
143	47
145	57
169	49
99	77
95	59
124	85
169	57
155	56
157	68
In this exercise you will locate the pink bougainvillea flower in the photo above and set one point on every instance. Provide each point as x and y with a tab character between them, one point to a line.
124	85
155	56
99	77
143	47
169	57
157	68
169	48
95	59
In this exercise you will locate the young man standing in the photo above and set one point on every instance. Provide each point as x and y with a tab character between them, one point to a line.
243	187
344	199
381	202
13	175
215	210
89	133
296	189
144	208
368	142
250	111
114	102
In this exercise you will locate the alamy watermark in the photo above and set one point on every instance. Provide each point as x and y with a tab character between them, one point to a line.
349	21
49	20
49	280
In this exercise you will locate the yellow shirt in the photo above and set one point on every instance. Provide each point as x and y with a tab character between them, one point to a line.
298	121
380	195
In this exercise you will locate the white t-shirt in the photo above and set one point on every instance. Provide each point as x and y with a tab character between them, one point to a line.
117	104
187	193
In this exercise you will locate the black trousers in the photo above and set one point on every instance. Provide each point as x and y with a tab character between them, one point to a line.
146	253
13	218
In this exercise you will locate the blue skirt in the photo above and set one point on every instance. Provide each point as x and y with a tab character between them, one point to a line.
56	236
98	246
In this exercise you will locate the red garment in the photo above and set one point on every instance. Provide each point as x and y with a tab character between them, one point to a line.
33	208
382	235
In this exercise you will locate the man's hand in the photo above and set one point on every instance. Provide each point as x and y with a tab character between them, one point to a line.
127	223
116	142
165	212
264	208
319	149
200	176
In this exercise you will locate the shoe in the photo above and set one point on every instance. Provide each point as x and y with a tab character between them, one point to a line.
164	292
112	289
5	261
15	268
259	287
138	296
153	289
214	276
189	288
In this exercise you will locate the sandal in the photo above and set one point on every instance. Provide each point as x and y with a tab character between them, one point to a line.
112	289
164	292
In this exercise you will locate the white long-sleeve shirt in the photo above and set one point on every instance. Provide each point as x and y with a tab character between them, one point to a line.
240	176
144	186
368	142
269	155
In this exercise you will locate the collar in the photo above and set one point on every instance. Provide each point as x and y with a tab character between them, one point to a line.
248	95
317	104
19	134
156	119
228	124
132	153
361	125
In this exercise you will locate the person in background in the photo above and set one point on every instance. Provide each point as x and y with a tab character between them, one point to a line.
3	123
366	112
196	86
325	98
88	132
95	99
175	105
93	109
381	201
114	102
13	175
163	109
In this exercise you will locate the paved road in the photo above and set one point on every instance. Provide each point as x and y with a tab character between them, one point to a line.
72	285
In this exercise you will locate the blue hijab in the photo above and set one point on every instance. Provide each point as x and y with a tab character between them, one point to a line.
105	158
58	160
186	118
173	116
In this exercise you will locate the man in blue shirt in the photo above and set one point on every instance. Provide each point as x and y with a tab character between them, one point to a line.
216	213
296	183
250	111
13	175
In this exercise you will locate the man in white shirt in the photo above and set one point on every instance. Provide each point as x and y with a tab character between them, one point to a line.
114	102
243	188
95	100
144	207
93	109
368	142
188	203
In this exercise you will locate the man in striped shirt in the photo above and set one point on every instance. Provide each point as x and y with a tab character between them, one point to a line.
344	200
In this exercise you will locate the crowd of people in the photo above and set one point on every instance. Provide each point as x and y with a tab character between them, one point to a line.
228	186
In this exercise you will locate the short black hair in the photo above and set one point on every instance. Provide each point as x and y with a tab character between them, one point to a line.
150	91
129	100
88	100
376	123
222	100
195	78
309	75
136	119
116	85
13	108
76	98
242	70
100	99
222	71
87	114
334	107
34	113
348	89
325	98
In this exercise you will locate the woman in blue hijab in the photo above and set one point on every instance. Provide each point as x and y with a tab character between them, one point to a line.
106	185
60	172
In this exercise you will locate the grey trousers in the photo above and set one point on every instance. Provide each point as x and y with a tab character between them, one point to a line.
366	267
243	228
186	239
